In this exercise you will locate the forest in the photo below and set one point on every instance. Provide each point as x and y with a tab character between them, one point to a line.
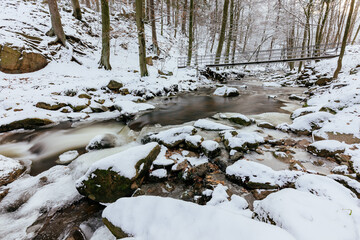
179	119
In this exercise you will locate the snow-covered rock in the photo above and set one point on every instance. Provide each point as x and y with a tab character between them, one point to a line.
102	141
241	141
156	218
211	126
226	92
258	176
10	170
172	137
327	148
210	148
237	118
307	216
312	121
124	169
129	108
193	141
67	157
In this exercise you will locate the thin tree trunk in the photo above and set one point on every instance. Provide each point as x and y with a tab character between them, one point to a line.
191	26
153	27
343	45
97	5
56	22
87	2
162	18
230	35
177	9
168	12
76	9
105	52
356	34
222	32
305	36
184	17
141	38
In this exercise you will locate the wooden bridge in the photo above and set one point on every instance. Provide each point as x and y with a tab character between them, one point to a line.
315	52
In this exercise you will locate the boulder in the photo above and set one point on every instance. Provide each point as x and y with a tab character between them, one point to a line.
241	141
10	170
171	137
13	60
28	123
211	125
102	141
114	85
210	148
327	148
237	118
52	107
193	141
118	175
226	92
266	125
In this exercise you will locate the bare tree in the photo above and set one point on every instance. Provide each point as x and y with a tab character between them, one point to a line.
56	22
141	37
222	32
343	45
191	32
76	9
105	52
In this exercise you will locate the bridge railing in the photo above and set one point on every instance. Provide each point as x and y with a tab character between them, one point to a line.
262	56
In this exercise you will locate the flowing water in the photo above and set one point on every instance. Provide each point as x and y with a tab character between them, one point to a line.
43	146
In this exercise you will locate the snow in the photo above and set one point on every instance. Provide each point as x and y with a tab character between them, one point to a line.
234	115
355	185
271	84
7	166
131	108
210	125
68	156
307	216
210	145
219	195
161	159
194	140
259	173
309	121
174	134
159	173
329	145
123	163
156	217
225	91
241	138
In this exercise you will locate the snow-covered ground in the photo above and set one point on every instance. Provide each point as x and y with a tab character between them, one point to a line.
302	204
63	81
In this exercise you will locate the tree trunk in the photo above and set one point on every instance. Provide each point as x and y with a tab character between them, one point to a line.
184	17
105	52
76	9
56	22
168	12
305	36
191	26
87	2
162	17
97	5
141	38
222	32
356	34
343	45
153	27
230	35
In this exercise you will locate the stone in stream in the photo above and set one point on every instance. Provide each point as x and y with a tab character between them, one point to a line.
237	118
103	141
241	141
10	170
28	123
210	148
171	137
193	142
118	175
327	148
226	92
48	106
266	125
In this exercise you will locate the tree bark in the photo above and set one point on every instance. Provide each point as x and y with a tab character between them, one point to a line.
153	27
343	45
141	37
191	25
105	52
76	9
56	22
168	12
184	17
230	35
222	32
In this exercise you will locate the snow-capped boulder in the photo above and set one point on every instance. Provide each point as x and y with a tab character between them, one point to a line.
154	218
211	126
258	176
237	118
241	141
226	92
310	122
118	175
307	216
103	141
171	137
327	148
10	170
193	141
210	148
67	157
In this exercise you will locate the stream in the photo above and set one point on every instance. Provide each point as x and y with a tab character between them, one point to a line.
43	146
